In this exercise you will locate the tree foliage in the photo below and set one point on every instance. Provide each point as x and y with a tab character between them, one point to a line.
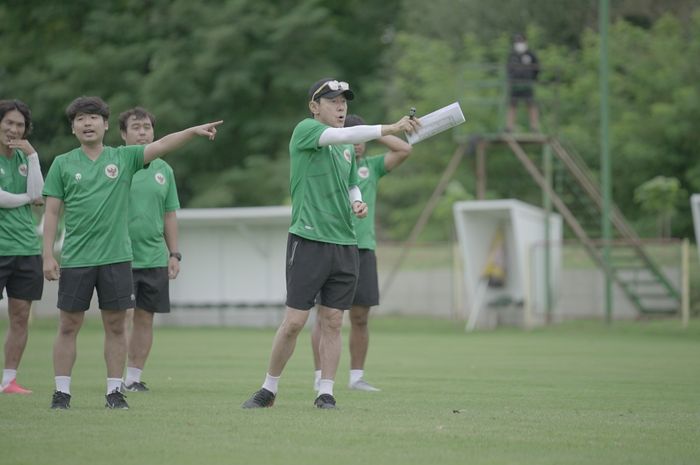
250	63
660	196
654	99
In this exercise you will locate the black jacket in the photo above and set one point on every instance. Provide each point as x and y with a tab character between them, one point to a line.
522	67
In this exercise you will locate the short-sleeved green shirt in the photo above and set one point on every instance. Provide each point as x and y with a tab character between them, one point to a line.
153	193
319	182
369	171
95	195
17	234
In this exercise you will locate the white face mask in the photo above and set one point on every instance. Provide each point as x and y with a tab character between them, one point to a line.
520	47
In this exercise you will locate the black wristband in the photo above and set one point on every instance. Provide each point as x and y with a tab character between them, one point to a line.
177	255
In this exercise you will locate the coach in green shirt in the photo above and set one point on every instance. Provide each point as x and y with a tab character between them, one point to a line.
153	231
322	257
92	184
369	171
20	250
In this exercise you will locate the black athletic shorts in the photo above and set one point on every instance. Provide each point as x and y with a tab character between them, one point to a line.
323	269
367	292
152	289
115	288
522	94
22	276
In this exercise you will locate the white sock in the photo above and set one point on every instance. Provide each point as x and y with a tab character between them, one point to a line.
63	384
8	376
271	383
114	384
356	375
133	375
326	387
317	379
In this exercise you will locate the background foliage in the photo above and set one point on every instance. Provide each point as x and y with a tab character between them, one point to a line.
250	63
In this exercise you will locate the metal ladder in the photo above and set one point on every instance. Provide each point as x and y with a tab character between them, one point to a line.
637	275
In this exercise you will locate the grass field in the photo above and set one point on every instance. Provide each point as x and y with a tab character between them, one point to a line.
578	393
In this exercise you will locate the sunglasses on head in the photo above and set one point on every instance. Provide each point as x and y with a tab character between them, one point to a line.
332	85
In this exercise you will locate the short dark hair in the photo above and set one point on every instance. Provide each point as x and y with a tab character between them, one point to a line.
89	106
7	106
138	113
353	120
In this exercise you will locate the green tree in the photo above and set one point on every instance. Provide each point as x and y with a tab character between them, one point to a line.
248	62
660	196
654	99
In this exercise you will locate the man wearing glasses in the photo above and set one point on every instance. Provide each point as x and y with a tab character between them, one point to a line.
322	256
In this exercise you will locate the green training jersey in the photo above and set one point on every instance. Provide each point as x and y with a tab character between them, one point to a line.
95	195
319	182
153	193
369	171
17	233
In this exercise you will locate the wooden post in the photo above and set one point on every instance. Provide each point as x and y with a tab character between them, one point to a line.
481	170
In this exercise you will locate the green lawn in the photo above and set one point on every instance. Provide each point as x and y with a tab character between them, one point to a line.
579	393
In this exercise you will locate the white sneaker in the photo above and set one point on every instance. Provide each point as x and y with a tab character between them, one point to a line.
362	385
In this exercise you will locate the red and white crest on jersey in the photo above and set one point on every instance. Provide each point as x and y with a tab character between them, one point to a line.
347	155
363	172
160	179
22	169
111	171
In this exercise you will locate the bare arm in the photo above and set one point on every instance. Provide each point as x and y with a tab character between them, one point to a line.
399	150
176	140
53	207
170	235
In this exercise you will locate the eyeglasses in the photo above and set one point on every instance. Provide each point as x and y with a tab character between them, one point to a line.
332	85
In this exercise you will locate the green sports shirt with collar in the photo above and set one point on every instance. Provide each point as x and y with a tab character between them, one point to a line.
319	182
153	193
95	196
369	171
18	235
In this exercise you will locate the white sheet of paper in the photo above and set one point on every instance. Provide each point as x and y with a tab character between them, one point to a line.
436	122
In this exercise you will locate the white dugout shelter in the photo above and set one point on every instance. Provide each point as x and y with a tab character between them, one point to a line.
507	234
233	259
232	271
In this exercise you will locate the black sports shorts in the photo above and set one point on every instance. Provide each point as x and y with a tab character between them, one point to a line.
22	276
115	288
321	269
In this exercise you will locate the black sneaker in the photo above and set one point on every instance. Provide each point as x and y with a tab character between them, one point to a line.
260	399
60	401
325	401
116	399
136	386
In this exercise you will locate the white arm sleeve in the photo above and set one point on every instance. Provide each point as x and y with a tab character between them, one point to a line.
351	135
354	194
10	200
35	181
